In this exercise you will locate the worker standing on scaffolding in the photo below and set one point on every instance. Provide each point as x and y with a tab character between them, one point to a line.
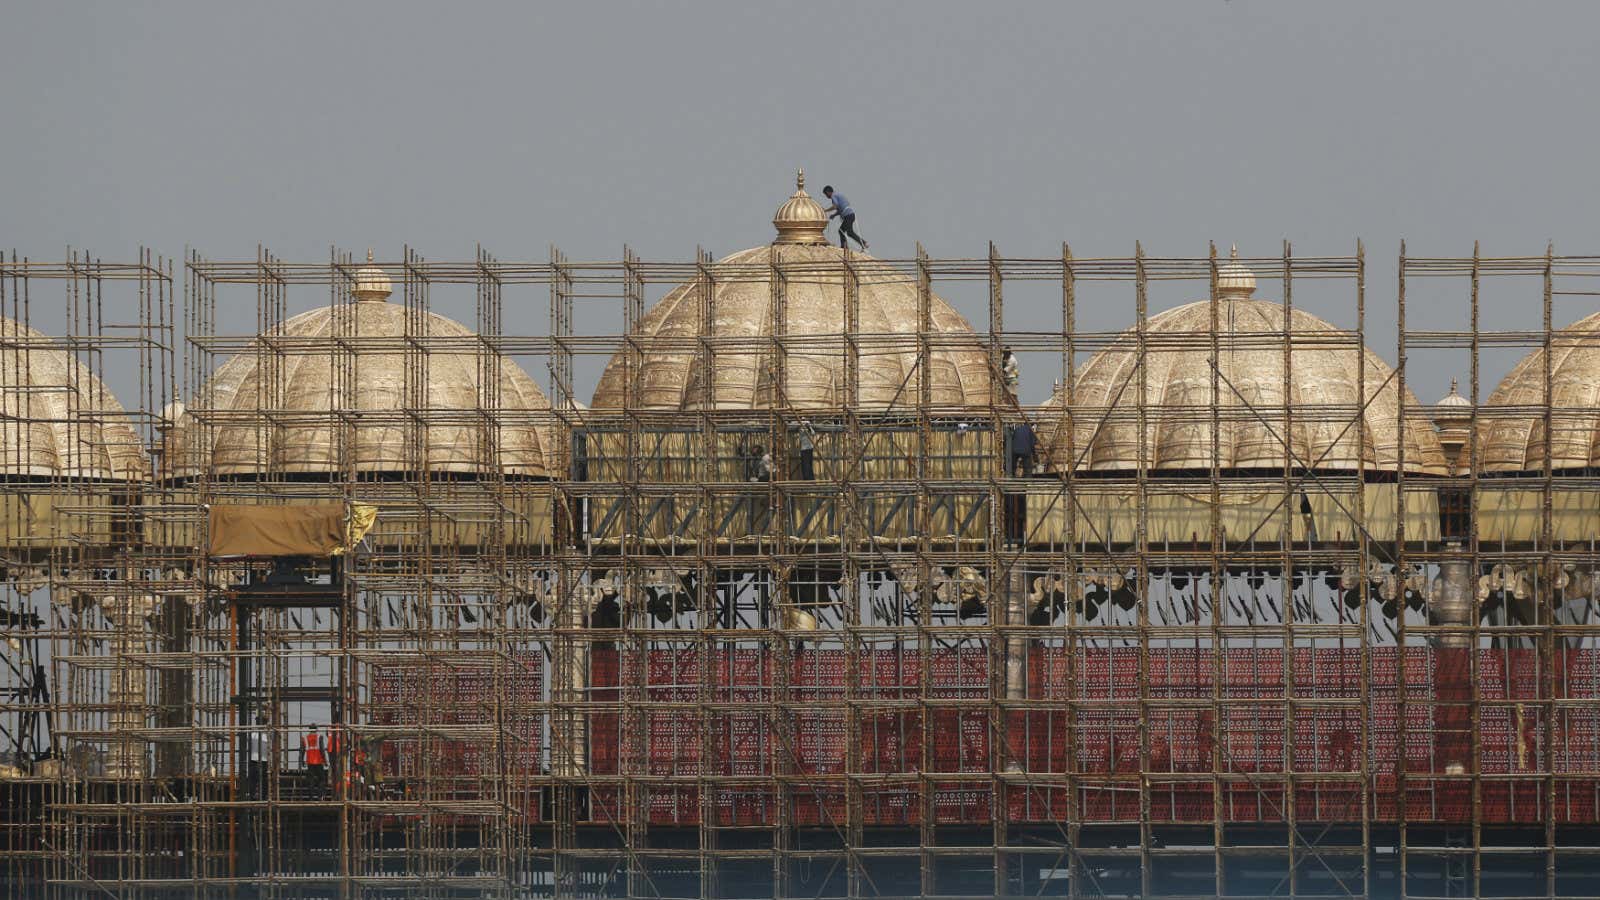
316	761
1019	461
846	215
808	451
1011	371
335	749
260	757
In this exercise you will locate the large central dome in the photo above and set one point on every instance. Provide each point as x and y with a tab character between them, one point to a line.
335	386
1323	396
811	276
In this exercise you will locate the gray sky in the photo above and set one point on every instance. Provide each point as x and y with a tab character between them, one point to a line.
589	125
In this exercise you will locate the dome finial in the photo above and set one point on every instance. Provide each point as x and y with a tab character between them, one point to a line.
1453	385
371	282
800	220
1234	252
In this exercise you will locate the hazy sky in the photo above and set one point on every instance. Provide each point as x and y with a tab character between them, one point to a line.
667	126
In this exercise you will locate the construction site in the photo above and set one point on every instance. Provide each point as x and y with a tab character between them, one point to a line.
813	590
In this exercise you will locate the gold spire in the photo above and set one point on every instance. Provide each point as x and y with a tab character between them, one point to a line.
800	220
371	282
1234	281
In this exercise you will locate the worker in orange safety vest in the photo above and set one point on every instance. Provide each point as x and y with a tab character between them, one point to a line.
316	761
354	775
338	753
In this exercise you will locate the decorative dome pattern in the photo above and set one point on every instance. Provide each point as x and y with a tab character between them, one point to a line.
339	387
1323	398
1517	442
672	375
57	420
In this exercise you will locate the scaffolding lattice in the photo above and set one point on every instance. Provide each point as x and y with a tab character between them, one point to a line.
882	661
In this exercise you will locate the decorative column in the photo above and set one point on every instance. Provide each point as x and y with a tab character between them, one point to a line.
128	756
570	678
1016	615
1454	604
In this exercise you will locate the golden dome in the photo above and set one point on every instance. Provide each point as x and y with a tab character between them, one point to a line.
801	220
1517	443
672	377
1322	396
57	420
814	366
309	409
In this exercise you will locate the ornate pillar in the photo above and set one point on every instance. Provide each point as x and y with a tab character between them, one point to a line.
1454	603
128	756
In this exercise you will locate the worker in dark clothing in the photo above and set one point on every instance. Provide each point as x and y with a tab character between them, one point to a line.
580	455
1022	447
335	747
847	217
762	469
746	457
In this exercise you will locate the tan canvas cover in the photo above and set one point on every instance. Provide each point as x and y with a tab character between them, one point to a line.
1110	514
317	529
47	518
1517	515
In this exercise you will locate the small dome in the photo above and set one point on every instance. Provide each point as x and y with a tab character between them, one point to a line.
672	375
801	220
1517	442
57	420
1454	401
1452	415
313	407
1323	397
1234	281
372	283
1453	412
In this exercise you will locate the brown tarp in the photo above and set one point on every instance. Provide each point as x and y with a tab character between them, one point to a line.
316	529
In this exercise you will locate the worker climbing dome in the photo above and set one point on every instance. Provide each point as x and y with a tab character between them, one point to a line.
742	372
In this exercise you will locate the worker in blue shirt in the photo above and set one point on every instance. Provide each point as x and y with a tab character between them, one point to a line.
847	217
